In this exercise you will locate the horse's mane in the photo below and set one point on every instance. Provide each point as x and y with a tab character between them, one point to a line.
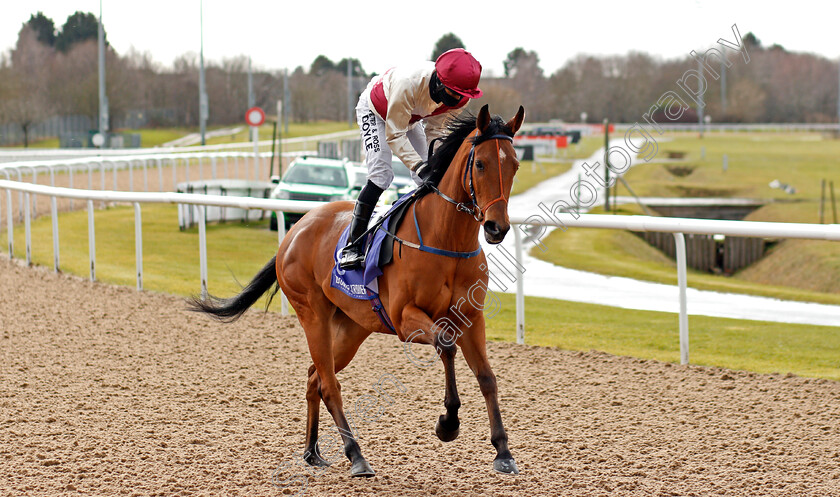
459	128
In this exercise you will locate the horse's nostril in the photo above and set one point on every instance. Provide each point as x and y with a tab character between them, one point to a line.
492	227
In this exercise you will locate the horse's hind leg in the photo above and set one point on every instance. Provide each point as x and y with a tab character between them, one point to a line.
348	337
473	346
319	336
313	408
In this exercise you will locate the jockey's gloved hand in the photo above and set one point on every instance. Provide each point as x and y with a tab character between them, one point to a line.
424	171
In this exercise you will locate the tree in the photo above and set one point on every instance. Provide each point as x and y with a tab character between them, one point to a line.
320	65
44	26
446	42
23	94
341	67
519	60
79	27
750	41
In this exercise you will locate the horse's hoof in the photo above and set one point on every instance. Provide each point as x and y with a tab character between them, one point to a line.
313	459
506	466
362	468
446	435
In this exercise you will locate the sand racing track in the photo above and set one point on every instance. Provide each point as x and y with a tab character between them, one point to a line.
107	391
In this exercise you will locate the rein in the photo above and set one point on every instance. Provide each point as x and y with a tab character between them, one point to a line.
474	209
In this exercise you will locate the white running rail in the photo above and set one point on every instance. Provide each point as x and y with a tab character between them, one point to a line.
677	226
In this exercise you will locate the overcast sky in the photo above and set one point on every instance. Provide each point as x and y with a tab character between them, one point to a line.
282	33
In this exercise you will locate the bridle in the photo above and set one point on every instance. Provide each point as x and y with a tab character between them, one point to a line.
467	183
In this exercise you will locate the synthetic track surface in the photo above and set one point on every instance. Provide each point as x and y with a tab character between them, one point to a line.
107	391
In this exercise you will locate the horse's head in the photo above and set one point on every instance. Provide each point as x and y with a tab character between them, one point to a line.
487	174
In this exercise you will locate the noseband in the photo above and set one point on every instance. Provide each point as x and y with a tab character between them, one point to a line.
467	183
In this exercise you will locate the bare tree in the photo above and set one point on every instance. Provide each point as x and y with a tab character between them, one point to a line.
23	100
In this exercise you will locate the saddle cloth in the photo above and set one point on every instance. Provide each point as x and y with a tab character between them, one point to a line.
362	283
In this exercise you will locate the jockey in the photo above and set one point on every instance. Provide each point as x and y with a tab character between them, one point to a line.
390	110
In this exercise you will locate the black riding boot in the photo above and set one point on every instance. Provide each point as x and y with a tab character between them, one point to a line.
353	254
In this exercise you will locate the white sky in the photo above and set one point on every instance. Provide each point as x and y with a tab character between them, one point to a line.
289	33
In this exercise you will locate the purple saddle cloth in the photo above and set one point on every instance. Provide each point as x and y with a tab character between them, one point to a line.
362	283
359	283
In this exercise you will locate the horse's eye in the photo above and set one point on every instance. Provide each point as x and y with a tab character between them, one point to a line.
479	165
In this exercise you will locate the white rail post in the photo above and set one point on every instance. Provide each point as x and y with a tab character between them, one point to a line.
174	162
187	169
679	238
213	167
10	224
27	230
91	241
138	244
35	198
202	249
116	166
130	176
70	174
200	167
20	196
102	173
520	292
145	175
281	233
54	215
160	173
255	134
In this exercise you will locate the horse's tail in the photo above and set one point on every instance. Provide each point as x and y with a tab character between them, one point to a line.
231	309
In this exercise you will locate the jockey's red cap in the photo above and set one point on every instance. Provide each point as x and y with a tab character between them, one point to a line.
460	72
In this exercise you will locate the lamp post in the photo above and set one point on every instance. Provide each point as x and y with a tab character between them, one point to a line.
203	109
103	99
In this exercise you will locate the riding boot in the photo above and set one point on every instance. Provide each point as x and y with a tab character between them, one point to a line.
353	254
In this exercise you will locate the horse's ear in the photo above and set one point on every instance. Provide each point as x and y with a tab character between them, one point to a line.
515	123
483	119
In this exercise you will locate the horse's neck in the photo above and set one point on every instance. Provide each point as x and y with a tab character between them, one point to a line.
442	224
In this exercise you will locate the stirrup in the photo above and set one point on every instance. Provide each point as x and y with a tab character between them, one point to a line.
352	257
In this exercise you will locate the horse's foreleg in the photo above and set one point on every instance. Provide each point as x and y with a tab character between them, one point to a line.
448	425
474	349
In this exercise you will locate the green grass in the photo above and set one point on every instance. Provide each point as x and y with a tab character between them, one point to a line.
754	160
621	253
763	347
804	270
154	137
530	174
170	256
296	130
48	143
171	266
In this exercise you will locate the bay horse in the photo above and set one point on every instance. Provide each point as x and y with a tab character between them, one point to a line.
473	170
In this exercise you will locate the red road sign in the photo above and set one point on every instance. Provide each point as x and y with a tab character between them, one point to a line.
254	116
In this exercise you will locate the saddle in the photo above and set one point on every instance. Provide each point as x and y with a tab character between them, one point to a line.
379	252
